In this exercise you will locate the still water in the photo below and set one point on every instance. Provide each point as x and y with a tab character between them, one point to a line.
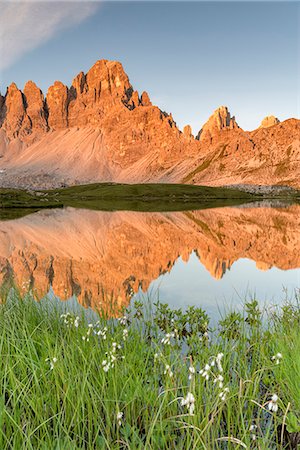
213	258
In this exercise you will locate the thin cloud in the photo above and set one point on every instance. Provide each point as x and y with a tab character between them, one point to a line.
25	26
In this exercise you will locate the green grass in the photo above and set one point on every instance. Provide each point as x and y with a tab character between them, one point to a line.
74	404
134	197
131	197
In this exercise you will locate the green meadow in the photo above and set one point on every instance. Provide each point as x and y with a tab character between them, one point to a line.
111	197
152	378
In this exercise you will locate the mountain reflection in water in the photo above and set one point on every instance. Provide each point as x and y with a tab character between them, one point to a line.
111	255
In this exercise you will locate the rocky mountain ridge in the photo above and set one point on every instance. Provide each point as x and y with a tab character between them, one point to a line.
101	129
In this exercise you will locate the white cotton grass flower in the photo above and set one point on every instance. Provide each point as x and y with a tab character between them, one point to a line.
167	339
223	394
176	333
111	357
191	372
252	430
219	379
70	320
189	402
52	362
102	333
115	347
218	361
119	418
106	365
125	334
86	338
277	358
273	403
168	371
205	372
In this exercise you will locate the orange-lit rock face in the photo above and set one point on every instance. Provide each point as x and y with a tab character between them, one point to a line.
269	121
220	120
103	257
15	114
35	107
57	97
264	156
101	129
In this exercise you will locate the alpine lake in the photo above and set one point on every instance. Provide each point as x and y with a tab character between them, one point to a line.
104	246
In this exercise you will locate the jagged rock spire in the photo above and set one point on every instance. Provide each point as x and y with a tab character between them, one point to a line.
221	119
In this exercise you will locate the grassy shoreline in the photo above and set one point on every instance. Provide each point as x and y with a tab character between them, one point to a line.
159	380
16	203
110	196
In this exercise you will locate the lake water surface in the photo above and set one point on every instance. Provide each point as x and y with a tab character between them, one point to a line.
213	258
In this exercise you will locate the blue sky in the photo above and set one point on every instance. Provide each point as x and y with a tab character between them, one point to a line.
191	57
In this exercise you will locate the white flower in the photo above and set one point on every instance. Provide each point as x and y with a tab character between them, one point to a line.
102	333
273	405
219	379
205	372
125	334
52	362
277	358
168	371
106	365
119	418
223	394
167	339
115	347
191	372
189	402
218	361
252	429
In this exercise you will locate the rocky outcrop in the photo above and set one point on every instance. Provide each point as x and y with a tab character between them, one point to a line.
269	121
220	120
23	115
35	107
16	121
187	132
57	103
145	100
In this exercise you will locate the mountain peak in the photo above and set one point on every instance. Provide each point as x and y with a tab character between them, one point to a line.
145	100
221	119
269	121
